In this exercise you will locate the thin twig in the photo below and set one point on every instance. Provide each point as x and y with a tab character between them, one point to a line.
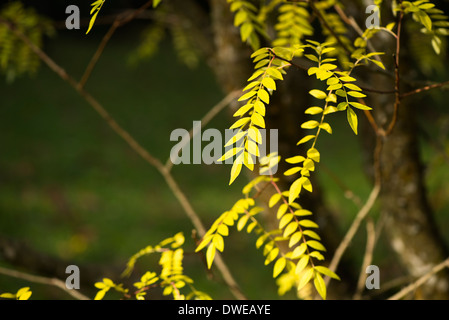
397	101
426	88
43	280
353	23
353	229
118	22
413	286
156	163
368	257
205	120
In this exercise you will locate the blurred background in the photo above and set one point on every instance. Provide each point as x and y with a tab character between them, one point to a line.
72	192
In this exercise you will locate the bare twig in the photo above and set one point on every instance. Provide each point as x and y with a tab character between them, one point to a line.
156	163
426	88
370	243
43	280
353	229
353	23
423	279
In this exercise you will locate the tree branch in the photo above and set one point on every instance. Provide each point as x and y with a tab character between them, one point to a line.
43	280
426	88
401	294
119	21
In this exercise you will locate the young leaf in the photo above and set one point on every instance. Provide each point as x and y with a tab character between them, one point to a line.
295	190
306	139
279	267
218	242
316	245
299	251
314	154
274	199
320	285
327	272
318	94
269	83
359	106
302	263
352	119
305	279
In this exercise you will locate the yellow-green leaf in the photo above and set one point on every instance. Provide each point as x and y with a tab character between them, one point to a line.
248	95
223	230
318	94
235	171
360	106
251	226
299	251
316	245
314	110
242	222
240	123
259	107
306	184
302	263
356	94
264	96
352	86
275	73
312	234
327	272
313	154
230	154
305	139
279	266
285	220
206	240
271	256
295	160
295	190
325	126
100	294
305	279
210	255
218	242
308	223
290	229
258	120
292	171
282	210
310	124
295	238
274	200
269	83
320	286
